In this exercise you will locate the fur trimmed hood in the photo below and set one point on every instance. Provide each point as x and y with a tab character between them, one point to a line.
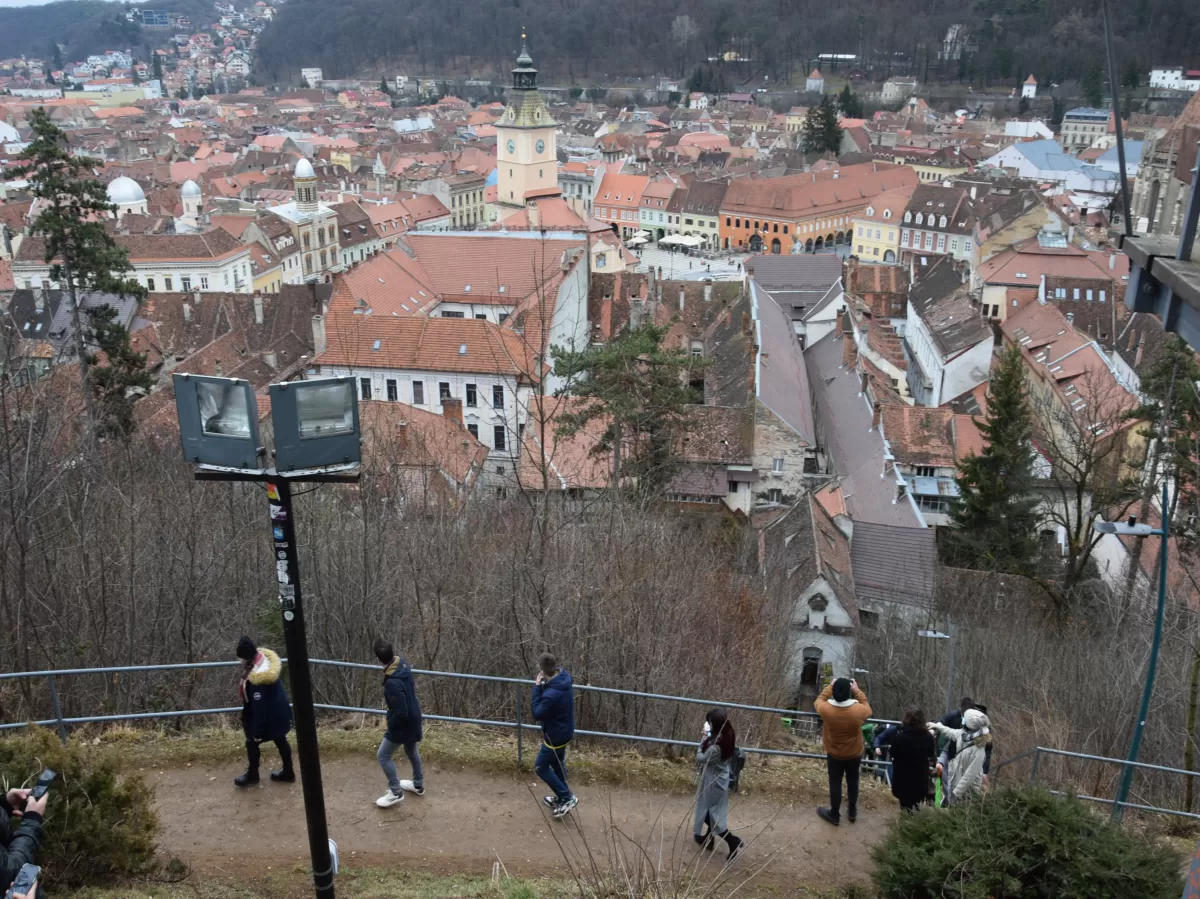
266	669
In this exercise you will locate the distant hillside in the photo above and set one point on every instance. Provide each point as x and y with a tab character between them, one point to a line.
581	39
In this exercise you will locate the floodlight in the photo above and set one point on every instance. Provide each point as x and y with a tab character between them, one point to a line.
218	421
316	424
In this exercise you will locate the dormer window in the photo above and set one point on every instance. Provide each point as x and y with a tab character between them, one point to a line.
887	213
920	218
870	211
942	222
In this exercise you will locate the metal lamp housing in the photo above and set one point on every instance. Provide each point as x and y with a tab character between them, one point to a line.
218	421
316	424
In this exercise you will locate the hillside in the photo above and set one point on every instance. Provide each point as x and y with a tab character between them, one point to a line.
577	40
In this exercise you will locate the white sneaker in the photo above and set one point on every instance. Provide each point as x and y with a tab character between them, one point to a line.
388	799
409	787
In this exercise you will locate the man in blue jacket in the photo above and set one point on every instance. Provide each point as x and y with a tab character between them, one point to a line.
554	707
403	725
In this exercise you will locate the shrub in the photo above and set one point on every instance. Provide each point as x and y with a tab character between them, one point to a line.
1021	843
98	825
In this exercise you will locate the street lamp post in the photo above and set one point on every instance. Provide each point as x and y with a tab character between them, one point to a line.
1132	528
949	637
316	440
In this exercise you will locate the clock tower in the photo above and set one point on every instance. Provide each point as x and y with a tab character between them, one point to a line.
526	154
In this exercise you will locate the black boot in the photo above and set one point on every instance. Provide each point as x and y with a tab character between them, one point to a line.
286	776
249	779
705	841
734	843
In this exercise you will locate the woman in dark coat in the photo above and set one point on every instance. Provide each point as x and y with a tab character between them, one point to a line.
913	751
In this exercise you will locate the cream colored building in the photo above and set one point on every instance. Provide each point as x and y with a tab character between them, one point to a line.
313	224
876	236
526	151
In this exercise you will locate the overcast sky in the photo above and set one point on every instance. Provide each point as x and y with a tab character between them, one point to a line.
25	2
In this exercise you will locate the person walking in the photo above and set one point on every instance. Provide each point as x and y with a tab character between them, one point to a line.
913	751
714	758
844	709
964	772
404	726
266	714
554	708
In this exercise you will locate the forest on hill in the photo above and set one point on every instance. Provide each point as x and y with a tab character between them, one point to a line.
573	40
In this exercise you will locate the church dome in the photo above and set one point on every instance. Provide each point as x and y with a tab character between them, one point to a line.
125	192
189	190
304	169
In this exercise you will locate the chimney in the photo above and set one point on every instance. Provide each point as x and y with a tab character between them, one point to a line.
682	299
8	249
650	279
1071	319
452	409
708	290
1137	359
876	415
196	296
402	435
745	322
535	217
41	296
258	309
271	359
318	333
1112	261
187	312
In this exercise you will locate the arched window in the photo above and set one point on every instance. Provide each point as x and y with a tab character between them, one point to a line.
942	222
908	216
887	213
920	218
870	211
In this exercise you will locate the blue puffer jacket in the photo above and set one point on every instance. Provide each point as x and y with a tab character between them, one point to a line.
266	714
404	722
554	707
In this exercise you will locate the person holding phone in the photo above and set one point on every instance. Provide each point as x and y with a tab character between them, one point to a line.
20	846
844	709
554	708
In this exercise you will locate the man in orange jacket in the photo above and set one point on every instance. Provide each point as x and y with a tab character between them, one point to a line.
843	709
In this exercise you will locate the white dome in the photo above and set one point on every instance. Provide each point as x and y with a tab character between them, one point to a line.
190	189
8	134
125	192
304	169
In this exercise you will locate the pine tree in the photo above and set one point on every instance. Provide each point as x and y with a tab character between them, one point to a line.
995	515
1092	85
84	257
812	134
639	390
383	87
157	67
849	104
831	131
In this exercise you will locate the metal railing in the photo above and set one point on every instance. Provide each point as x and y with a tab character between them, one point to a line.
519	685
1039	751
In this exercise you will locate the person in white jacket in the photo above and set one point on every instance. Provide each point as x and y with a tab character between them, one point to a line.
964	773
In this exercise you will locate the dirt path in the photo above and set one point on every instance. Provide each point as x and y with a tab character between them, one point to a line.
468	820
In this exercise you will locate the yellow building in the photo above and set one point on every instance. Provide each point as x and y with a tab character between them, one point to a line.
795	118
266	269
526	155
876	235
932	165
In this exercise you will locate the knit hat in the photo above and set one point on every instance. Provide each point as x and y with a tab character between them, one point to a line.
841	689
973	719
246	649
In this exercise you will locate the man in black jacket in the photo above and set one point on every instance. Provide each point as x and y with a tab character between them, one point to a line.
266	714
403	725
20	848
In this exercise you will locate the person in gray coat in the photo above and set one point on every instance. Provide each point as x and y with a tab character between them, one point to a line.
964	772
714	758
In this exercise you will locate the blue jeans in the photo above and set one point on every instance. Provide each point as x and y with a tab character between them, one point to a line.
387	749
551	766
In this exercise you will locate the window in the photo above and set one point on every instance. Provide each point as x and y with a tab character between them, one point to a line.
1102	299
418	393
446	313
364	386
929	240
859	250
472	395
728	223
167	284
954	244
920	218
204	282
149	284
497	396
891	234
774	495
924	471
785	229
1089	295
1075	294
966	244
904	238
942	222
473	430
499	437
1060	293
443	390
941	242
185	283
777	466
868	619
601	260
393	394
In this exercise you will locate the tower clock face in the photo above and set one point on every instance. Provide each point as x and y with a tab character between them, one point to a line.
512	146
541	146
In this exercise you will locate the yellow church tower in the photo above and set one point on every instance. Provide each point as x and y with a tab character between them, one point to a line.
526	156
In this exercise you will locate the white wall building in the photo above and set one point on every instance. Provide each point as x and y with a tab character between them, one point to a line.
1175	78
312	77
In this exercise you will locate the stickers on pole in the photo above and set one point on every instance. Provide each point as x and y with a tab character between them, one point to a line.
278	512
272	492
287	597
278	532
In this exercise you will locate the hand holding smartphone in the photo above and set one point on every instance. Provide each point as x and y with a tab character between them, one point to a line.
43	784
26	881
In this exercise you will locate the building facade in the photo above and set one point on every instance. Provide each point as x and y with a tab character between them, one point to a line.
526	147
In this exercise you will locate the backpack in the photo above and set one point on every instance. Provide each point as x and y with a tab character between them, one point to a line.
736	764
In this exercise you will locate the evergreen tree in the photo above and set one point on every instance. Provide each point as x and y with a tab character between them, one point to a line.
383	87
84	257
1093	85
56	56
157	67
995	515
849	104
1133	76
637	389
812	131
831	131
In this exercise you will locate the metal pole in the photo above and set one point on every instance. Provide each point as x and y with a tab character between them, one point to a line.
520	737
1116	108
287	566
1144	711
62	725
950	704
1037	757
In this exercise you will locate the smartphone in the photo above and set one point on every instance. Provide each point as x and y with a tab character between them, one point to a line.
26	880
43	784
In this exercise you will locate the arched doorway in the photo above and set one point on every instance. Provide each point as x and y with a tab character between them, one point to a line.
776	247
829	240
615	229
841	238
756	243
808	245
820	244
727	243
889	256
661	233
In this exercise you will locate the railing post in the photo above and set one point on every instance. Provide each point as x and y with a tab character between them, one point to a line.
1037	757
520	736
62	726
